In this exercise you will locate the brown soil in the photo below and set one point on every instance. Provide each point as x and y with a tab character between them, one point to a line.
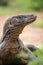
30	35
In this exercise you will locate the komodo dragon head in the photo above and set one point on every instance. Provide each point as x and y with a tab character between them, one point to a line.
14	26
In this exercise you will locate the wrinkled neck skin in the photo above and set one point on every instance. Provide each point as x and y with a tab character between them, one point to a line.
16	46
13	34
11	39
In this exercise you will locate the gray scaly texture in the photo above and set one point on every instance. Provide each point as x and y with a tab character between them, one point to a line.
12	50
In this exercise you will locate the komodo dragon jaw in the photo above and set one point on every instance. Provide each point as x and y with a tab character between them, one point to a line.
14	25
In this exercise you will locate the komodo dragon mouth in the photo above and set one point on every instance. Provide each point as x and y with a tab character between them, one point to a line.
14	25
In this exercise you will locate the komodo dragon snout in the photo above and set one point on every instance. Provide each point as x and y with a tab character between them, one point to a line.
14	25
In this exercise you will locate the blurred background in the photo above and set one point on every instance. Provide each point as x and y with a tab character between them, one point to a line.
20	6
33	33
9	7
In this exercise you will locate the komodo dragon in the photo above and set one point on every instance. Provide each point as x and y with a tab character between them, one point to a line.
12	48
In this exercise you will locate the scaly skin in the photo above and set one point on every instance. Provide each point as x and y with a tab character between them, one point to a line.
12	49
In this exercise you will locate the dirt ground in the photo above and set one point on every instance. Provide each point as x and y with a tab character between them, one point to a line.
30	35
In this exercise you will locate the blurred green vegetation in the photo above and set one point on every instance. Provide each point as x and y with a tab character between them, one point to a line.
3	2
38	23
12	7
37	5
38	61
39	56
8	7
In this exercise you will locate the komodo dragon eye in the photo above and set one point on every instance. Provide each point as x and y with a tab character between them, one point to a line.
24	19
